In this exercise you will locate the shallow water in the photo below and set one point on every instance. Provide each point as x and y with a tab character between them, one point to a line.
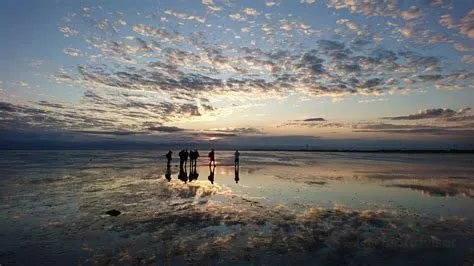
287	208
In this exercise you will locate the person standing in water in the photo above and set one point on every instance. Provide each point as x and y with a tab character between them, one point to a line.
211	158
185	157
196	156
168	157
236	160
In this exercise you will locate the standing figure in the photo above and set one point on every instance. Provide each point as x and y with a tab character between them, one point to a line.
181	158
168	157
237	155
211	158
196	156
191	158
185	157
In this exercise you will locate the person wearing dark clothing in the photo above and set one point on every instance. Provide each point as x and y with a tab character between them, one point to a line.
211	158
168	157
191	158
196	156
211	174
237	159
185	157
181	158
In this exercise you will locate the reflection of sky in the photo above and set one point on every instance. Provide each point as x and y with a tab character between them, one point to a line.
357	181
171	63
51	196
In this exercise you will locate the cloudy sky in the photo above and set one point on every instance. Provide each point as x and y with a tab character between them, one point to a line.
291	71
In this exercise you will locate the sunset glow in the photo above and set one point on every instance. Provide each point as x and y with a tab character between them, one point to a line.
168	70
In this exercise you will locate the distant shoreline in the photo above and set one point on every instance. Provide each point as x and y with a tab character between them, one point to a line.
415	151
370	151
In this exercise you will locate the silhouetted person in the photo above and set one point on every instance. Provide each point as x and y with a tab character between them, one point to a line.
185	157
236	160
211	173
168	173
191	158
183	176
181	158
211	158
168	157
237	174
196	156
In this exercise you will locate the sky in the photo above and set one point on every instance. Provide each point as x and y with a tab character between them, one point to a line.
287	72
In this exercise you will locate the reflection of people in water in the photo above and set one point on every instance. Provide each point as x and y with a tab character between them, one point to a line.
211	158
211	173
168	157
183	176
193	174
237	173
237	155
168	173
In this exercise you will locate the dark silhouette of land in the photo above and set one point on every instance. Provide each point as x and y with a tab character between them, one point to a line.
370	151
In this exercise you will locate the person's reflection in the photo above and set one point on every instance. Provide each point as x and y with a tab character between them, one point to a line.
193	174
211	173
237	174
183	176
168	172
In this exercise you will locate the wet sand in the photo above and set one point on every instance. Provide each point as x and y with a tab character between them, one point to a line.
287	208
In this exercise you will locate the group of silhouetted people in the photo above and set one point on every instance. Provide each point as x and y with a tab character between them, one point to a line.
183	157
193	155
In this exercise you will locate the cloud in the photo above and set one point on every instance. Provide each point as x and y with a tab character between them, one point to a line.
238	131
468	59
166	129
463	47
184	16
251	11
313	122
68	32
428	114
21	83
271	3
466	26
308	1
7	107
447	21
152	31
412	13
354	27
71	52
314	119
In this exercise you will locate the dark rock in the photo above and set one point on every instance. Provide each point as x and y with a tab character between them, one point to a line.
113	212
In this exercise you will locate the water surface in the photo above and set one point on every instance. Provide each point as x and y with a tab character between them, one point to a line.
286	207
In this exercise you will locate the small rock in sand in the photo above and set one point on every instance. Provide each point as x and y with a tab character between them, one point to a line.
113	212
